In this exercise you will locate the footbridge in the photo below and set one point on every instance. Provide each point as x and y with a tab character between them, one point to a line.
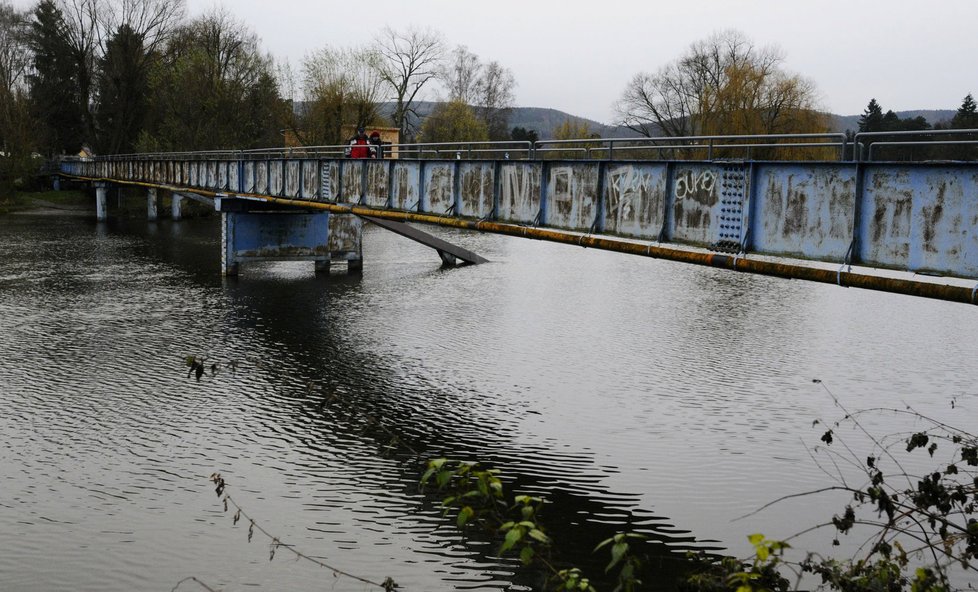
817	207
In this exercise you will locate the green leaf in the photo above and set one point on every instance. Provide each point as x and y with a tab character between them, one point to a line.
618	551
538	535
526	555
755	539
464	515
512	537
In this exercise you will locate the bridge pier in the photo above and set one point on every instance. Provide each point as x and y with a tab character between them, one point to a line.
151	205
176	206
101	193
254	230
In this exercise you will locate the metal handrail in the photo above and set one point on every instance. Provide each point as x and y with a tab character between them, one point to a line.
857	154
869	157
711	141
590	147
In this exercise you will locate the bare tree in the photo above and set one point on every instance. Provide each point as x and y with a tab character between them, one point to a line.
16	137
15	56
495	99
722	85
87	23
460	75
340	86
153	20
408	61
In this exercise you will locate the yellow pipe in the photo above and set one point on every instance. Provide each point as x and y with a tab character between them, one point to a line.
783	270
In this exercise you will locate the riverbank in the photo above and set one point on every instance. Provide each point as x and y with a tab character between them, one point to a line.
62	203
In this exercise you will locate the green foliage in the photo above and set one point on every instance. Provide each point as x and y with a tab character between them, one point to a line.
454	122
729	574
478	495
524	135
214	89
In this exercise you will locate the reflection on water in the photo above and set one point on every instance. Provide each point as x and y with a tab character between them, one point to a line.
630	393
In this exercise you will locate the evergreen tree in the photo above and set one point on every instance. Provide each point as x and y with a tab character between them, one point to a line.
123	91
967	115
54	82
524	135
872	118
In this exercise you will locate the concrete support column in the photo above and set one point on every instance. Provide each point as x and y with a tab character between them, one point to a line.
151	205
57	183
229	265
322	266
176	206
101	191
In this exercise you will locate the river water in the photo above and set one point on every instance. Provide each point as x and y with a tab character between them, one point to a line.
632	394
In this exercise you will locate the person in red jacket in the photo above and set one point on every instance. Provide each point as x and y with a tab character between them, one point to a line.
359	145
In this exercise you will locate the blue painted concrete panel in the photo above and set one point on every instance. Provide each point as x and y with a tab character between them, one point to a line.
921	218
476	181
439	181
405	185
572	195
634	199
803	210
271	236
696	203
519	192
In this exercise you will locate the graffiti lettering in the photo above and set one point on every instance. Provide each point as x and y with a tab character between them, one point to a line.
690	185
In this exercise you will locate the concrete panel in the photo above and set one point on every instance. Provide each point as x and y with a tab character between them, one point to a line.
352	180
920	218
377	182
291	179
345	234
634	199
248	183
519	198
476	187
572	195
261	177
194	176
310	179
276	182
696	205
210	181
233	180
804	210
439	183
276	236
222	175
406	183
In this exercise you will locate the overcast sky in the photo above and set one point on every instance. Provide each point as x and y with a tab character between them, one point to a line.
577	56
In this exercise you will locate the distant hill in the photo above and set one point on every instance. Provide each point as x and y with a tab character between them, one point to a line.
545	121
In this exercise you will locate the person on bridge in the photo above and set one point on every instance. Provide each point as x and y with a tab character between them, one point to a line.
359	145
376	144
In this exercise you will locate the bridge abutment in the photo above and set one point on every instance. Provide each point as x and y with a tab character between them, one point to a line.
254	230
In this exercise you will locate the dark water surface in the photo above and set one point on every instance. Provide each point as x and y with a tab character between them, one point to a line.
631	393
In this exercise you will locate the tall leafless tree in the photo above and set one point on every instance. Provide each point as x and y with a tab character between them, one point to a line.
723	84
494	102
408	61
341	86
460	75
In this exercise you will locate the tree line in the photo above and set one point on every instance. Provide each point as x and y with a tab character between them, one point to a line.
120	76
